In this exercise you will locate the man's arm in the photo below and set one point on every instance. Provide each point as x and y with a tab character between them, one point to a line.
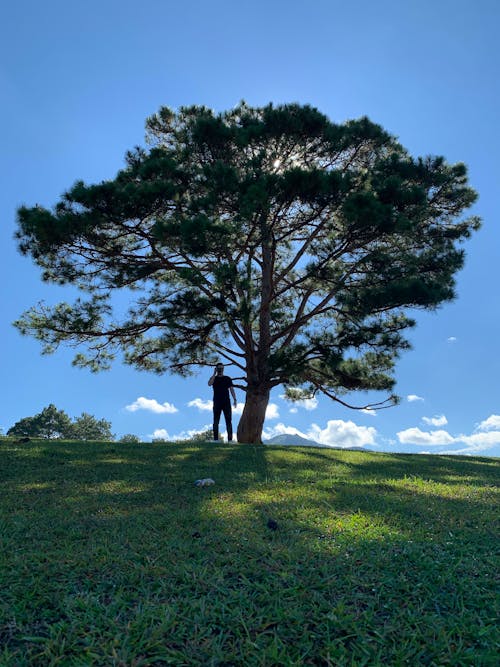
212	378
233	395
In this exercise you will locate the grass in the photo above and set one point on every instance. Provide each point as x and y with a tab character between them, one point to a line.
109	555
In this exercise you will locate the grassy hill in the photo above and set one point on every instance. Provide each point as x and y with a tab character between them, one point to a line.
111	556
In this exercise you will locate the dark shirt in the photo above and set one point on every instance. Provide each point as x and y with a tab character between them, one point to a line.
221	389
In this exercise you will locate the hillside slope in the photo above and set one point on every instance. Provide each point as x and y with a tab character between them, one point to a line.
294	556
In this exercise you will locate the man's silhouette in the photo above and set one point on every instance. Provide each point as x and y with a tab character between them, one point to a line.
222	385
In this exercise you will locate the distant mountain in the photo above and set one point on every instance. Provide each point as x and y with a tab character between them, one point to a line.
286	439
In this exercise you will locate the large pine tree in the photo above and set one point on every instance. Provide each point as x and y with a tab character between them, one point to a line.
289	246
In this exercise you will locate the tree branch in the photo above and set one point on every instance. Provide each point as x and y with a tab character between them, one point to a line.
369	406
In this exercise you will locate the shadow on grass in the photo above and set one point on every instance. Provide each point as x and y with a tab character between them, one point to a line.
409	494
374	556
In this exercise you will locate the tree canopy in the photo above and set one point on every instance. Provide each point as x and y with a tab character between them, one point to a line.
87	427
54	423
285	244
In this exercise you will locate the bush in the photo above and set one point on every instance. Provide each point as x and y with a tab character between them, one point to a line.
129	438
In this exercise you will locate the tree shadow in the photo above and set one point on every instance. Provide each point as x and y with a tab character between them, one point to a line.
362	544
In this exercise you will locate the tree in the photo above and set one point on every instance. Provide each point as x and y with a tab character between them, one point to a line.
272	238
49	423
25	427
130	438
87	427
200	436
54	423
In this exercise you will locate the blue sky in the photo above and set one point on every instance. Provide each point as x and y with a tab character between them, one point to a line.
78	79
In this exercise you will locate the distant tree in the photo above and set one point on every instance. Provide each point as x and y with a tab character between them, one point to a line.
129	438
49	423
54	423
87	427
24	427
201	436
286	244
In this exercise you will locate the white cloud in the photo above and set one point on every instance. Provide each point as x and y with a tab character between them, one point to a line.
160	434
293	411
486	437
306	403
272	411
452	339
478	442
201	404
367	411
152	405
481	440
437	420
340	433
414	436
411	398
493	422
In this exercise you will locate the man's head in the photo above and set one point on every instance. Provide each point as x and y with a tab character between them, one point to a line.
220	369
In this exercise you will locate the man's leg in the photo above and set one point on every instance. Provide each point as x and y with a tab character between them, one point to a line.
229	424
217	411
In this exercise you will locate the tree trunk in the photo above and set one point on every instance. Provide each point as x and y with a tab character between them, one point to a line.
252	419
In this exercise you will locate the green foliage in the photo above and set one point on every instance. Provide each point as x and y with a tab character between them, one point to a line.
201	436
25	427
53	423
129	438
289	245
49	423
378	559
87	427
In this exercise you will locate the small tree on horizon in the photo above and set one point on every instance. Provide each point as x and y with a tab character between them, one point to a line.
130	439
87	427
200	436
285	244
25	427
49	423
53	423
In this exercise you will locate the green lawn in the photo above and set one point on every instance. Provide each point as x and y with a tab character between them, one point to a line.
109	555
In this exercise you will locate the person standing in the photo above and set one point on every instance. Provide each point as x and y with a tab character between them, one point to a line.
222	385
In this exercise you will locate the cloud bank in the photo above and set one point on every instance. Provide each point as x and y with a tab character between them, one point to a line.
348	435
414	436
337	433
490	424
486	436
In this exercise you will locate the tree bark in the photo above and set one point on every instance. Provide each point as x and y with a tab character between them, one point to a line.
252	419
